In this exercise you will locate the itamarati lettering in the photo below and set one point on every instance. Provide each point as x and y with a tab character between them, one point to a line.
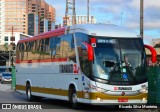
66	68
124	88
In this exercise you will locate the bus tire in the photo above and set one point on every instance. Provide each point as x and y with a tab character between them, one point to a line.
73	98
30	97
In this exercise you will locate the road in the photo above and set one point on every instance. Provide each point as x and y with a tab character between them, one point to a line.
7	95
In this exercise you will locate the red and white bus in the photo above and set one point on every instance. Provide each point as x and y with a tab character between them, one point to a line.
88	63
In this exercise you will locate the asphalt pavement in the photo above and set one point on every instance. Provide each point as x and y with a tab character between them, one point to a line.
5	87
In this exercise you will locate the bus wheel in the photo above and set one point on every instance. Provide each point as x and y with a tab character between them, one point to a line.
73	99
28	92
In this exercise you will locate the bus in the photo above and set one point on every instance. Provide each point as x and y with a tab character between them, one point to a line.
97	64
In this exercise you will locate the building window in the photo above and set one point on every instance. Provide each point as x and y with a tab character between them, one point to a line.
5	38
13	38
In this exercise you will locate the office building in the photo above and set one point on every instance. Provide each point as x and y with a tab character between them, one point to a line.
42	14
30	17
12	20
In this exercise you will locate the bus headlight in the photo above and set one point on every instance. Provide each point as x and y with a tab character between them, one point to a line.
98	89
101	90
144	90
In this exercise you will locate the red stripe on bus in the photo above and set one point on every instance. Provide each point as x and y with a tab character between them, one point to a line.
53	33
42	60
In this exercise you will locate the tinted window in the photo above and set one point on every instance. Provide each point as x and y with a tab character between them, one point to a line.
6	74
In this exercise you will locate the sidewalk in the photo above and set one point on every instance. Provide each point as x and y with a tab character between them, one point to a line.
5	87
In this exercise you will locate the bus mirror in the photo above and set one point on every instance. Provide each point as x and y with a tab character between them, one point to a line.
153	53
87	50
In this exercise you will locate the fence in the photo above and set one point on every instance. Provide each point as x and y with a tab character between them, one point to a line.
154	85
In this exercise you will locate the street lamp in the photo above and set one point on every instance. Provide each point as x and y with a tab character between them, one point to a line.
141	18
88	11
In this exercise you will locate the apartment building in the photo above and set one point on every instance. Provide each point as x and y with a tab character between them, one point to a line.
29	17
12	20
42	15
80	19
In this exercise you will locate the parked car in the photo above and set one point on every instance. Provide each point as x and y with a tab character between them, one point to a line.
6	77
4	69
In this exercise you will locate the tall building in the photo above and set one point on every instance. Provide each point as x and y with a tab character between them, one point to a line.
42	14
30	17
12	20
80	19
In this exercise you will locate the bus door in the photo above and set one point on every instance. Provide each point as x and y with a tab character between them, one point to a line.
85	65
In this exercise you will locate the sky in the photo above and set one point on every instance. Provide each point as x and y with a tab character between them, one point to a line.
125	13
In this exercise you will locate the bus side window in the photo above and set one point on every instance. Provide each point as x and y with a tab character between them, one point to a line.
37	50
42	49
22	51
72	53
67	48
17	52
83	58
25	51
46	49
30	50
54	47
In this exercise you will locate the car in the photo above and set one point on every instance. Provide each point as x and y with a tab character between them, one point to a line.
4	69
6	77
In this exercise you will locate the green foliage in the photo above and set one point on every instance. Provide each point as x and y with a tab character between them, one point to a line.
6	46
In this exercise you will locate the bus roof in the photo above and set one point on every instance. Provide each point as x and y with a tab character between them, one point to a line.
107	30
56	32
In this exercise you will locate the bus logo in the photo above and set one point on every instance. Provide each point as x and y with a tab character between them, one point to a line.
115	88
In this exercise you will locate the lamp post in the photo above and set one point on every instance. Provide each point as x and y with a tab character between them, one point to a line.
141	18
88	11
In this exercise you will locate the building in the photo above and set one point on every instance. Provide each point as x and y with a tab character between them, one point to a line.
12	20
20	19
30	17
33	24
156	42
80	19
40	14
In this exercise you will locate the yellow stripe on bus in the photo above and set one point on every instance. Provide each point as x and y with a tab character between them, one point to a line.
80	94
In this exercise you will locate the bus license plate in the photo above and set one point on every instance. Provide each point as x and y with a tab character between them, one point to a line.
123	100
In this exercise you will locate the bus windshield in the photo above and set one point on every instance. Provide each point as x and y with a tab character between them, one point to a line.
120	61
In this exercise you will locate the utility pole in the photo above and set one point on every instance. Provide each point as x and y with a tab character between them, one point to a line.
11	53
88	11
70	14
11	43
141	18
